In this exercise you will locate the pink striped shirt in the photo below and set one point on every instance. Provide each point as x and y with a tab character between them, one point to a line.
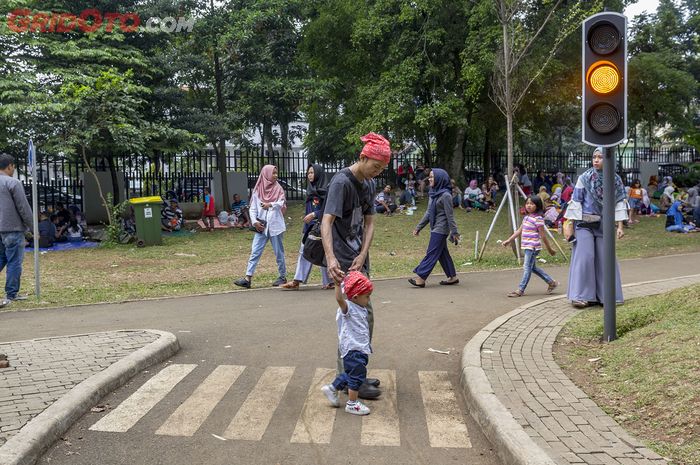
530	238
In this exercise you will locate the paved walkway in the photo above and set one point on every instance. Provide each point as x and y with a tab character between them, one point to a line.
528	407
42	372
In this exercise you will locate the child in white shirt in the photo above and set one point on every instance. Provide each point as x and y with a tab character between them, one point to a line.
353	341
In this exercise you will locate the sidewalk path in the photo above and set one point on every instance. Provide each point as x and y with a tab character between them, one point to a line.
528	408
53	381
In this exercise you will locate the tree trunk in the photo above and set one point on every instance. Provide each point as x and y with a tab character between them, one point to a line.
508	99
284	133
116	197
427	150
269	142
220	110
487	152
450	150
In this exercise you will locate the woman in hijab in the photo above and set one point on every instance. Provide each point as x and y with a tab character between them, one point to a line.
440	215
675	222
585	208
667	198
316	190
267	207
473	196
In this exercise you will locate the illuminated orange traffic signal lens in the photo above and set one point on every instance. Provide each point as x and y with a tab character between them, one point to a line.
603	77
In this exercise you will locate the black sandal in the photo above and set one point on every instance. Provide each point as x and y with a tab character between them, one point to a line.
413	281
449	283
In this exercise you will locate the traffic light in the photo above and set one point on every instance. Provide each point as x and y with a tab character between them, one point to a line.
604	79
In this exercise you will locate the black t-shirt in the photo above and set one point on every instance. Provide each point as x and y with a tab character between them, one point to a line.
349	201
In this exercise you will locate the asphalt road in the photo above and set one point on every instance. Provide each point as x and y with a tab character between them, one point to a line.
259	331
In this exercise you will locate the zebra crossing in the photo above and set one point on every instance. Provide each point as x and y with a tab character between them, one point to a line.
444	419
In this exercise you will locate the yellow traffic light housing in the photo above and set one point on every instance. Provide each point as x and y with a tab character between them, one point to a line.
604	82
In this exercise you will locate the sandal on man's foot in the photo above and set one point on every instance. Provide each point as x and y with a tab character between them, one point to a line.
517	293
553	285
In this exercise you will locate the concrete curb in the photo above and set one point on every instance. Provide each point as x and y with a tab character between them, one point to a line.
42	431
513	445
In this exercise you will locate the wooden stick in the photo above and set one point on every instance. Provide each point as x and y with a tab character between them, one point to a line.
493	223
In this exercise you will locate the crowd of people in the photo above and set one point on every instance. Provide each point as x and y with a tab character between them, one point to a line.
342	209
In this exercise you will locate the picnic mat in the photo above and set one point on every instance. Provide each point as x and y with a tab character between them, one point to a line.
182	232
217	225
60	246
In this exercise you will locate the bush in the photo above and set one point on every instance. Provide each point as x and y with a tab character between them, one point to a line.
689	179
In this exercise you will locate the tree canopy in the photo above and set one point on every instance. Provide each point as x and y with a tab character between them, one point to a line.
424	72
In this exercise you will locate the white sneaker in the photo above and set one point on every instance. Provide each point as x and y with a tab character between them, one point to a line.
331	394
4	303
357	408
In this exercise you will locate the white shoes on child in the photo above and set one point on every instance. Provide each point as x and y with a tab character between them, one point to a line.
331	394
356	408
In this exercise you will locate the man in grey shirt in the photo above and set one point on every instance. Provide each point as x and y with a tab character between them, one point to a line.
15	219
347	226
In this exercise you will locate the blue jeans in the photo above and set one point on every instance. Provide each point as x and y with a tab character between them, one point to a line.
259	242
355	366
12	254
530	266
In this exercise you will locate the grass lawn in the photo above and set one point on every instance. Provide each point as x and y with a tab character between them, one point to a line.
649	378
209	262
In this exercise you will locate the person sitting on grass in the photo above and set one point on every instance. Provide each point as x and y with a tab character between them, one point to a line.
74	232
384	202
473	197
456	195
240	209
47	230
353	341
171	217
675	221
551	215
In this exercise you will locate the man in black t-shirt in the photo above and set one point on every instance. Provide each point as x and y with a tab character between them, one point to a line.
347	227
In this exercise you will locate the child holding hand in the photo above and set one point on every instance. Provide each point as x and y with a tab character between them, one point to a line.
532	236
353	341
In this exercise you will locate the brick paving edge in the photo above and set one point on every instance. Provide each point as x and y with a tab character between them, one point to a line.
42	431
513	445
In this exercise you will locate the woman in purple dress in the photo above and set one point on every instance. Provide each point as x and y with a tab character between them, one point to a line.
586	208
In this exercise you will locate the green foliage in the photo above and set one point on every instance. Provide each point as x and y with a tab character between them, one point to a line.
114	229
665	68
691	178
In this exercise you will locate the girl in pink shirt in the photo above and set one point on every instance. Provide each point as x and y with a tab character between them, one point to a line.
532	236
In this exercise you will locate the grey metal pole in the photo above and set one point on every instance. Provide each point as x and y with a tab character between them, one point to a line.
608	224
35	215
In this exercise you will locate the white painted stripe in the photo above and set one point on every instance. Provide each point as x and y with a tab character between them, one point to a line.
254	415
122	418
189	416
446	426
315	424
381	427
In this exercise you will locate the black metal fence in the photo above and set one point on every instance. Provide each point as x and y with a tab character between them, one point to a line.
185	175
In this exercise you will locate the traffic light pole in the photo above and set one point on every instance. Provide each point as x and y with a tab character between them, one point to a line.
609	285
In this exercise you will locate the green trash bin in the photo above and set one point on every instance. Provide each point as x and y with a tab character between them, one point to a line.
147	212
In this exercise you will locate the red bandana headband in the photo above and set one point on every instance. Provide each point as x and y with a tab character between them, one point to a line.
355	283
376	147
